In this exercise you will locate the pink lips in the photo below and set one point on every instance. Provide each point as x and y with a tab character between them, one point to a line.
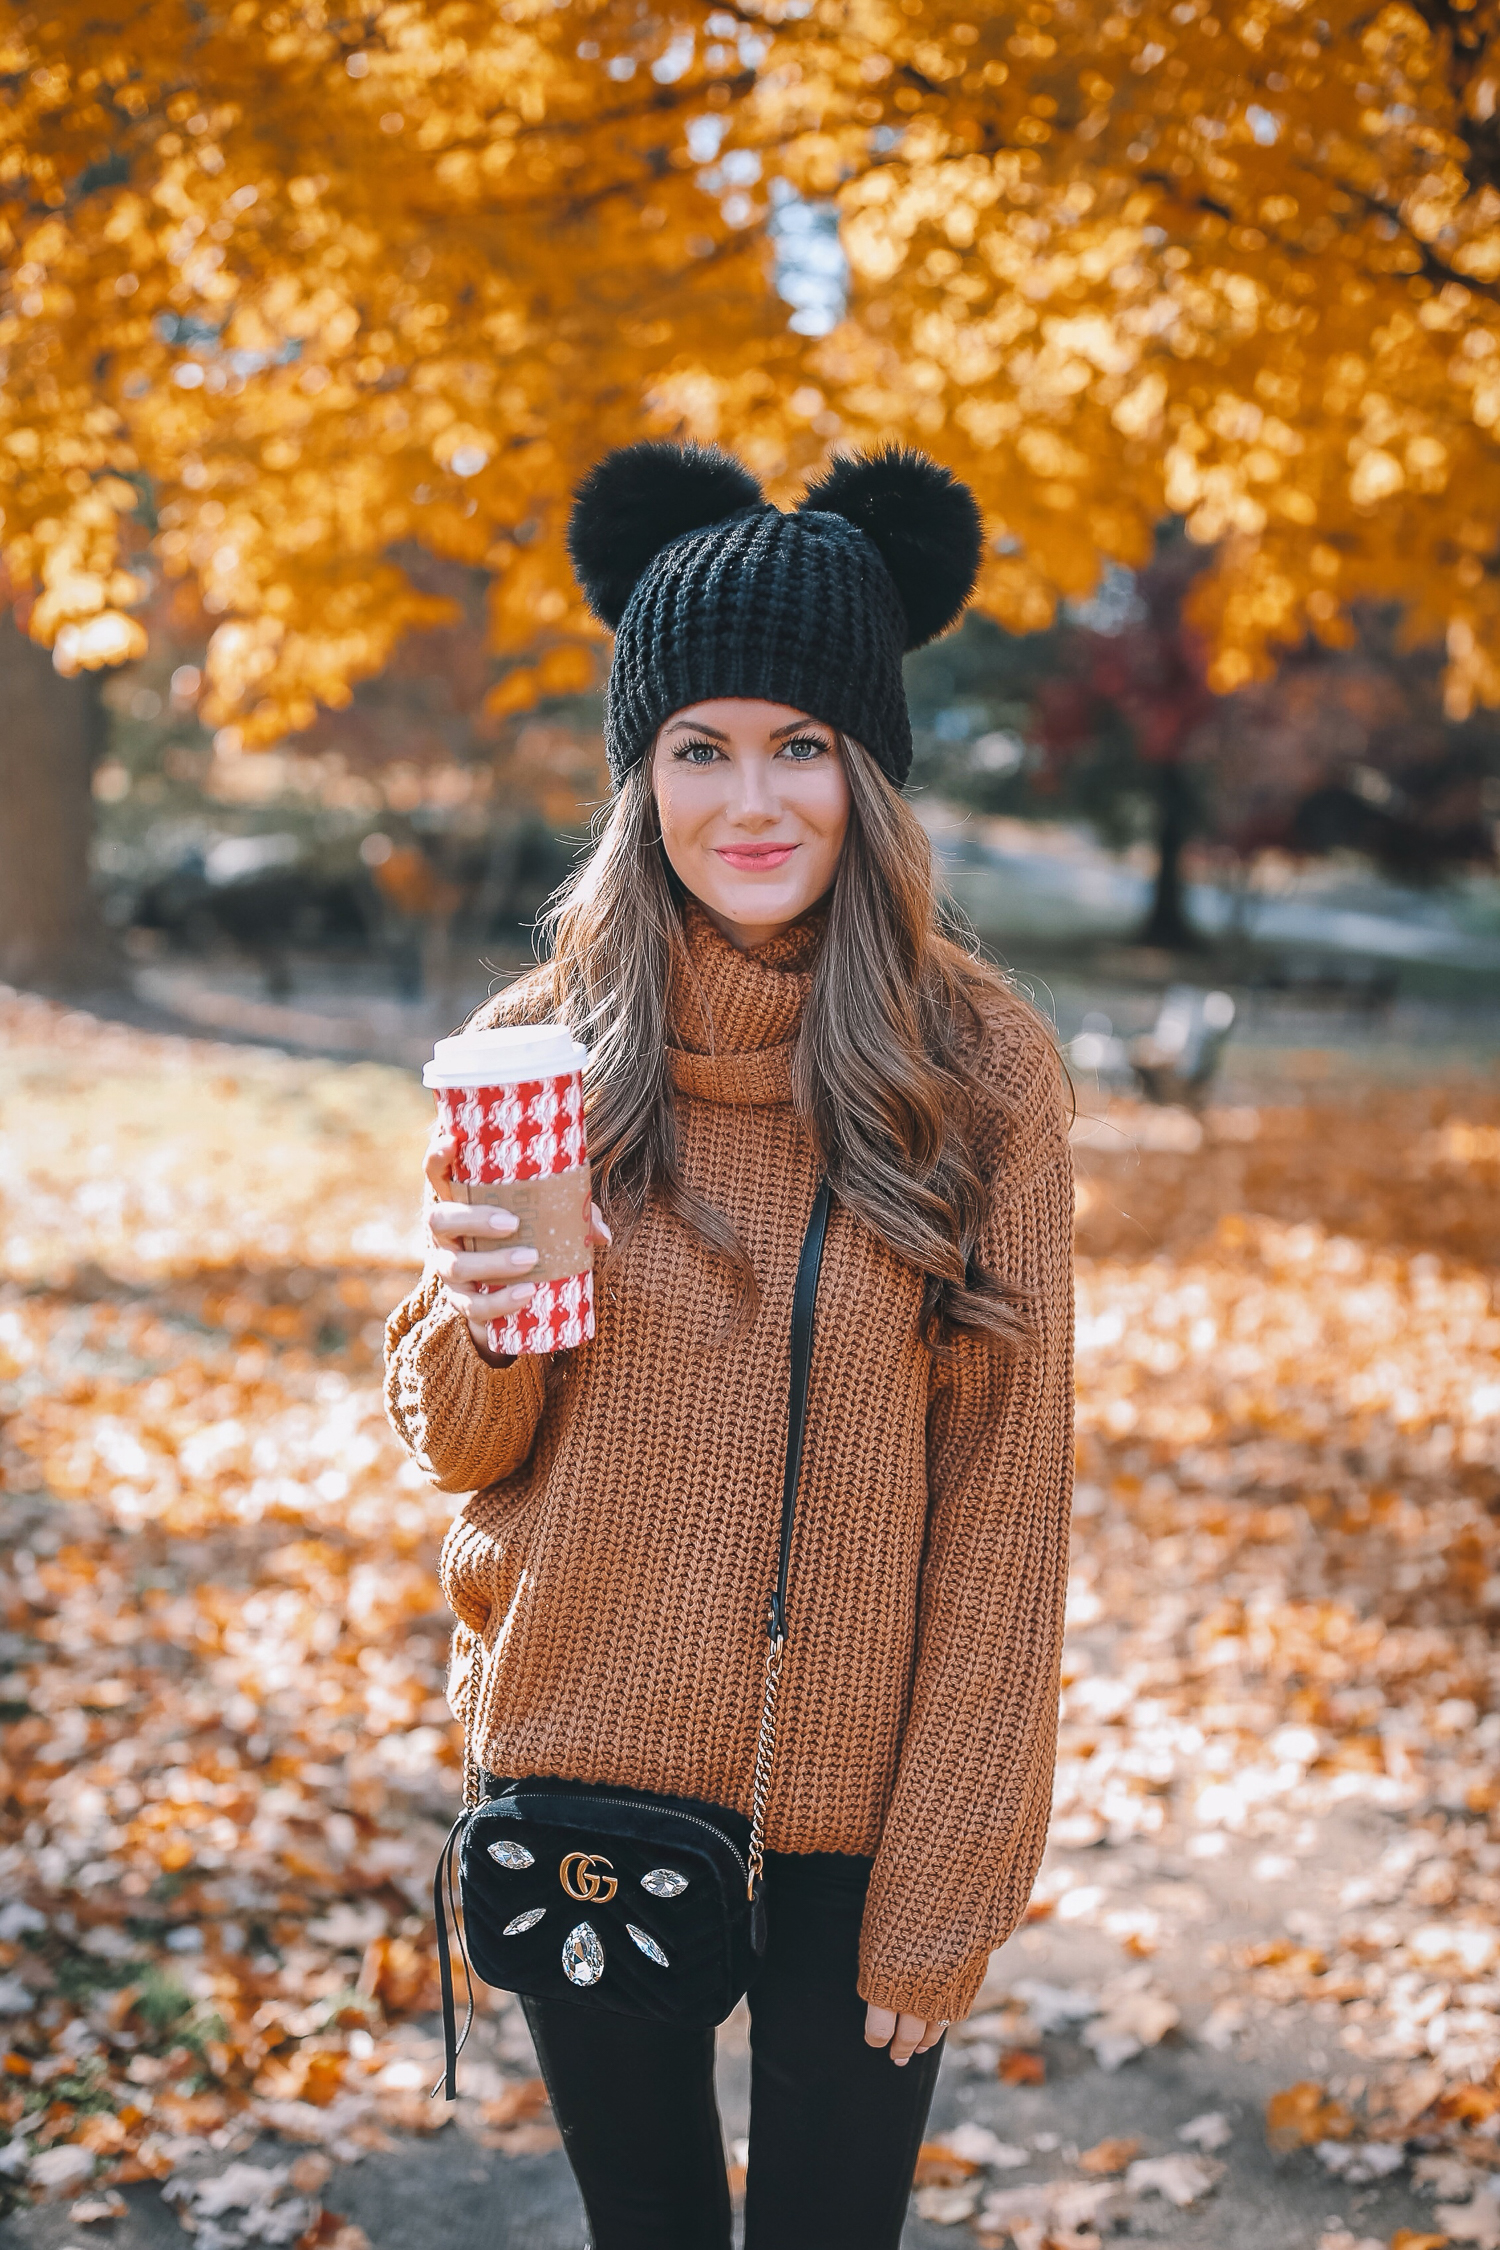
754	857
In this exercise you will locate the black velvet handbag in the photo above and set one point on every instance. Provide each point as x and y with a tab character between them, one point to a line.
614	1898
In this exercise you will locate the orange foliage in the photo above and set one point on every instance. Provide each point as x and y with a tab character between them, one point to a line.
284	293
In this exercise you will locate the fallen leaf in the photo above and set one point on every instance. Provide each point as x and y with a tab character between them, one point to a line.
1359	2162
401	1975
1415	2093
522	2140
521	2101
1477	2221
1407	2238
239	2187
1020	2067
147	2163
1054	2209
1135	2015
979	2145
103	2134
947	2206
1222	2025
1443	2174
370	2137
1109	2156
1057	2007
1302	2114
1180	2180
57	2170
330	2231
412	2113
1210	2131
93	2210
939	2166
1469	2105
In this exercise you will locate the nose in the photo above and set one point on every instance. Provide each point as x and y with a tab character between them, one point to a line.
755	803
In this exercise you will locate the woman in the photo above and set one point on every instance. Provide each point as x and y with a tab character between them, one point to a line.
754	956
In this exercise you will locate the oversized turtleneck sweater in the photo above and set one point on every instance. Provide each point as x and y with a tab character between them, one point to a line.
610	1564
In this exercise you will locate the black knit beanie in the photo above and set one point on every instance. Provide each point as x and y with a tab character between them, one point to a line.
712	592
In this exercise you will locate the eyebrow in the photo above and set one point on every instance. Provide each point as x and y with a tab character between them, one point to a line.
695	726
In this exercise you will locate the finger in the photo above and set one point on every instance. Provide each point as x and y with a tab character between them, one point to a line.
931	2036
879	2024
438	1163
909	2029
481	1269
601	1229
483	1305
464	1218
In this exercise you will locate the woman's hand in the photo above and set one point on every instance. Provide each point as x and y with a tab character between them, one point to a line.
904	2035
486	1284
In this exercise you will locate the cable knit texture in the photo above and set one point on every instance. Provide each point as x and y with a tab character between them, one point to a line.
609	1572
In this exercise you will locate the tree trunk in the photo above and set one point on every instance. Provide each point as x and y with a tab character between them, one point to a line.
51	732
1167	924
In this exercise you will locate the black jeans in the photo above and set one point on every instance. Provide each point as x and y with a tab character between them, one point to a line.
834	2125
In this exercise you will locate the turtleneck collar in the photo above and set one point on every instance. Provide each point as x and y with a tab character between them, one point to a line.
734	1015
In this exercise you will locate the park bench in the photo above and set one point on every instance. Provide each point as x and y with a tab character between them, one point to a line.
1175	1061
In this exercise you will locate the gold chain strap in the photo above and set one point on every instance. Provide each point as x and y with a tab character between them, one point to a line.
765	1750
473	1696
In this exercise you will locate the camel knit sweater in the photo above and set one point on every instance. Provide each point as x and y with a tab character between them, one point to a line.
609	1571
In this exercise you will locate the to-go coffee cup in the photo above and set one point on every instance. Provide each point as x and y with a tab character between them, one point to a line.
511	1097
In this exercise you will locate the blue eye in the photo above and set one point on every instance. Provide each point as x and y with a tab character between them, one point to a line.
803	748
688	752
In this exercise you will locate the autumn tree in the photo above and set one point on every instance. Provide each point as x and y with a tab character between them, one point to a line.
288	291
290	286
1126	704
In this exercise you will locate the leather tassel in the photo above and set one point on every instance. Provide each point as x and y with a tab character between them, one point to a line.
757	1919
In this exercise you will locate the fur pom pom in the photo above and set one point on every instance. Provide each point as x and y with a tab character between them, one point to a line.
926	524
635	502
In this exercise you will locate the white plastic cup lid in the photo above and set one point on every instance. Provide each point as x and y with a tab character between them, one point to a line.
504	1054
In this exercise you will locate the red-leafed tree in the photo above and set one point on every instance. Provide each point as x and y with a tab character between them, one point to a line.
1120	723
1105	717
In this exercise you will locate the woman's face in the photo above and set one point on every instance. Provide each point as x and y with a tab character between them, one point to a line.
754	806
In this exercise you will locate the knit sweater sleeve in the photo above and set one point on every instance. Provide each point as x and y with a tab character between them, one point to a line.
964	1833
465	1423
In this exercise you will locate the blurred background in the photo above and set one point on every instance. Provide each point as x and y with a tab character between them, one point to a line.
1316	849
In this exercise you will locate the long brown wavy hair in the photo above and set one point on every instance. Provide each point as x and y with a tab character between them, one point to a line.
883	1074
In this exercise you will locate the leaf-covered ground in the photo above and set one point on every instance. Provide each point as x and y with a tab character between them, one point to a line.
1271	1900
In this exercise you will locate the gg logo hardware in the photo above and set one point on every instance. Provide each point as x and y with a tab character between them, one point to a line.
581	1878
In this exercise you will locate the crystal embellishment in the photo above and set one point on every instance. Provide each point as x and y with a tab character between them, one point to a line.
582	1955
511	1855
664	1882
523	1922
648	1946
